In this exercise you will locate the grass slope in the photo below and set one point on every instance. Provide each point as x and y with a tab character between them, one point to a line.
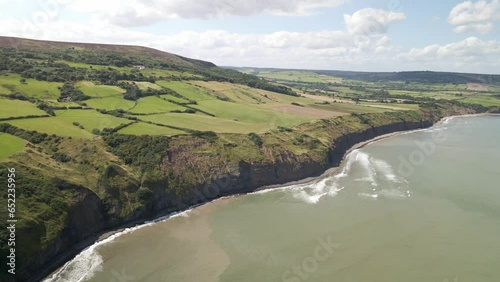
149	105
32	88
91	89
18	108
10	145
141	128
90	119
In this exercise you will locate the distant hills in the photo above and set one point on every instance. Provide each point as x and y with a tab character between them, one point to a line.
410	76
31	44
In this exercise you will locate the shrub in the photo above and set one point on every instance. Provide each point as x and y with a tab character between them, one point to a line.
256	139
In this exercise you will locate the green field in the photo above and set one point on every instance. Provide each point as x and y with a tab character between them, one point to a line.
187	90
18	108
141	128
203	123
110	103
10	145
298	76
247	95
150	105
32	88
348	108
90	119
482	100
144	85
264	118
91	89
167	73
173	98
96	67
52	125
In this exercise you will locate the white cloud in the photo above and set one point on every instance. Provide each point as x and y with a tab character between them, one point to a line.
144	12
326	49
371	21
469	55
477	16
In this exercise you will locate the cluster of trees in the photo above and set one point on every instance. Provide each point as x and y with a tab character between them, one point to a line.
133	92
31	136
68	90
145	152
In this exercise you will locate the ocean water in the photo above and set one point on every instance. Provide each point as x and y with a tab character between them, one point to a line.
420	206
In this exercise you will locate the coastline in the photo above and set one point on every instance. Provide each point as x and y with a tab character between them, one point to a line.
108	236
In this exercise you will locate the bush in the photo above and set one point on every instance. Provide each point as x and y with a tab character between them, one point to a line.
61	157
256	139
284	129
208	135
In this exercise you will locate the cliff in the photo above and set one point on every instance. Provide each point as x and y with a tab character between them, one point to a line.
146	177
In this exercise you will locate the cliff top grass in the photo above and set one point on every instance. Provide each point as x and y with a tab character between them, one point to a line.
10	145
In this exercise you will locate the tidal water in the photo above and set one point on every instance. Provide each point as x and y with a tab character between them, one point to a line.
422	206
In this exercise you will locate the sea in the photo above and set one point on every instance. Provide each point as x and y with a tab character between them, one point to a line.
420	206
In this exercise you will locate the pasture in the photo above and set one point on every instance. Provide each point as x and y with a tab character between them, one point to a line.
110	103
17	108
90	119
152	104
142	128
31	88
89	88
52	125
10	145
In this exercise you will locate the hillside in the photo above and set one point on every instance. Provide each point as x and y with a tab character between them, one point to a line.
410	76
105	136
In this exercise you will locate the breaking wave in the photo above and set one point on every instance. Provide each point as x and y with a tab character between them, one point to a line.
382	181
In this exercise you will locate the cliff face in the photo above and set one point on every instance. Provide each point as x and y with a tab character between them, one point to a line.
216	175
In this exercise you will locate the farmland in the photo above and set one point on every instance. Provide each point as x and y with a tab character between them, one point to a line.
10	108
183	104
30	88
10	145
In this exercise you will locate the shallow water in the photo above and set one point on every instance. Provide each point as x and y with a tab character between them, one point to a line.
420	206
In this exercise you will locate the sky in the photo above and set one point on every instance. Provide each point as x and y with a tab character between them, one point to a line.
376	35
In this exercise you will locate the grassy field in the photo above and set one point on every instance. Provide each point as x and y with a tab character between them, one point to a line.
247	95
52	125
187	90
348	108
90	89
10	145
236	108
482	100
32	88
18	108
173	98
141	128
250	114
203	123
110	103
90	119
167	73
298	76
149	105
144	85
96	67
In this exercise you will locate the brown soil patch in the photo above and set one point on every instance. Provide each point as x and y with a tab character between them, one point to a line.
477	87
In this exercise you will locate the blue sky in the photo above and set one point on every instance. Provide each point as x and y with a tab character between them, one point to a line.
379	35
